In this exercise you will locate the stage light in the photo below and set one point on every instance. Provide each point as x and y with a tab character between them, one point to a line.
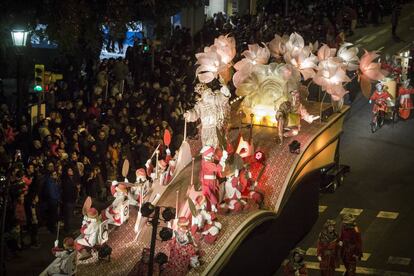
168	213
147	209
166	234
161	258
294	147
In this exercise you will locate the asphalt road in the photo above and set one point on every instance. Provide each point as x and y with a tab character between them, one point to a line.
381	178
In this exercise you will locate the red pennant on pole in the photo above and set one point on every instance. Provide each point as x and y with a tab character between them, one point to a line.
167	137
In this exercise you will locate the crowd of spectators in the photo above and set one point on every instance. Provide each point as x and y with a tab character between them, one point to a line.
110	110
327	21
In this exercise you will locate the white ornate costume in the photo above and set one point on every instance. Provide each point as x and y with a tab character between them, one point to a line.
213	110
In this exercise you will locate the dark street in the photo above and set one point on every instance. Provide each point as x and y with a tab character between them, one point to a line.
380	187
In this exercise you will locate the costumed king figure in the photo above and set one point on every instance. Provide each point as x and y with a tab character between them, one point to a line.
213	109
89	230
289	114
295	265
406	103
328	249
113	212
208	175
351	242
65	262
183	253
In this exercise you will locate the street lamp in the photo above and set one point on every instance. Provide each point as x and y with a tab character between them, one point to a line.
19	38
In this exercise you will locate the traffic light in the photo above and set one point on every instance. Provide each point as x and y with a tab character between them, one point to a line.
39	78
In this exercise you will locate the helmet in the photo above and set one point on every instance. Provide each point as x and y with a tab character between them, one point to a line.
379	86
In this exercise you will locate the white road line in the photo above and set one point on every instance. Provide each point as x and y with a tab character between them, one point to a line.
369	39
398	260
362	38
322	208
388	215
352	211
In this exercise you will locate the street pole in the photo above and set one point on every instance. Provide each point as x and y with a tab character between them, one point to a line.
154	222
3	220
20	99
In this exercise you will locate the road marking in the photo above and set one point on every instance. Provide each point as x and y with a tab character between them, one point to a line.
362	270
312	251
369	39
322	208
398	260
362	38
351	211
365	256
387	215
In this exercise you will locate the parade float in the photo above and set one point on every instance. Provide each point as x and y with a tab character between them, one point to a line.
247	190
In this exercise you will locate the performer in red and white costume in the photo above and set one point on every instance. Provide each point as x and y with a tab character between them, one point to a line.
162	168
141	183
406	103
232	195
381	98
249	186
113	211
183	252
89	233
208	175
65	263
204	222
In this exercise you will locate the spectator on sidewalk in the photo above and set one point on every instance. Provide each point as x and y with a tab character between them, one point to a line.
70	192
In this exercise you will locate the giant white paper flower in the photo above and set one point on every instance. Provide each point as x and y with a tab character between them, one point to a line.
216	59
225	47
277	45
295	45
304	62
253	56
210	64
325	52
370	69
330	76
349	56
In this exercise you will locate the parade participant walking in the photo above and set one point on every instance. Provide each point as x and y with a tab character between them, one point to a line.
350	240
295	265
406	103
327	249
